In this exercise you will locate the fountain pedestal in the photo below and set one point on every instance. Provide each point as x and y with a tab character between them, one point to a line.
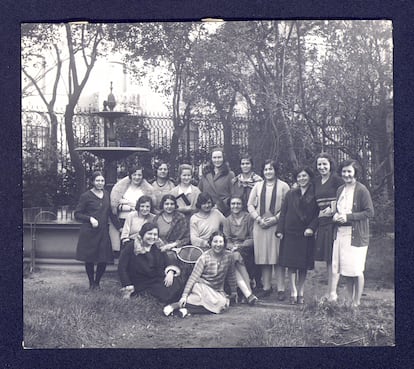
110	152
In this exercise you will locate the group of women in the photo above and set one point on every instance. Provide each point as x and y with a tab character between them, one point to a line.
248	227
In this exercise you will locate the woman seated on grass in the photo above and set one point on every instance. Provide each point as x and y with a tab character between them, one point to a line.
206	221
136	219
143	267
297	223
238	229
204	291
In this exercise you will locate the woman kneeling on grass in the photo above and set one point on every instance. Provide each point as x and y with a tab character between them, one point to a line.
204	291
354	208
143	267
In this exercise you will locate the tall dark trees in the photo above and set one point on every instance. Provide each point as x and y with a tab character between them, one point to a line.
78	46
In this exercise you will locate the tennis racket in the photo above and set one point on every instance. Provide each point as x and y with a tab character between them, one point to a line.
188	254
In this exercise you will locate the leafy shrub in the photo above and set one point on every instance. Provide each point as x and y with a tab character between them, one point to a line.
384	219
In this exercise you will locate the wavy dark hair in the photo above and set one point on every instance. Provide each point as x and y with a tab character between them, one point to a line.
239	197
142	199
353	163
168	197
329	157
303	168
132	169
274	164
203	198
158	163
246	157
146	228
94	175
218	233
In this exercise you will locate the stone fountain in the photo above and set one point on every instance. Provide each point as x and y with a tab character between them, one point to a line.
50	242
111	152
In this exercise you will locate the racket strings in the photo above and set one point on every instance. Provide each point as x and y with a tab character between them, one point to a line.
189	254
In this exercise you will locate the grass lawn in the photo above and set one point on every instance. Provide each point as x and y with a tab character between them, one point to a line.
323	323
60	312
72	317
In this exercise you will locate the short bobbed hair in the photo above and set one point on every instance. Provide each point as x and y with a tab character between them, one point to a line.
203	198
238	198
168	197
329	157
146	228
246	157
353	163
218	233
303	168
142	200
96	174
273	163
134	168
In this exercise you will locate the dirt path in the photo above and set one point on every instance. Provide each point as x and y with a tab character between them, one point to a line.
223	330
207	331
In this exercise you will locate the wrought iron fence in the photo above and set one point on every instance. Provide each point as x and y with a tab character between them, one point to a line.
155	132
152	131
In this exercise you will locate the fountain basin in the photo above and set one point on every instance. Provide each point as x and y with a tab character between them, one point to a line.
55	246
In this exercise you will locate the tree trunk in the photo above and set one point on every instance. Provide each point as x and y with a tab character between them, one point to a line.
287	141
53	149
174	150
74	156
304	108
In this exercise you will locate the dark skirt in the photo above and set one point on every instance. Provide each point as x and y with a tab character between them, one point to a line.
94	244
324	241
164	294
297	251
186	268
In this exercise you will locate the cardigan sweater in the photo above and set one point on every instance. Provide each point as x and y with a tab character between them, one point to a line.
362	211
253	204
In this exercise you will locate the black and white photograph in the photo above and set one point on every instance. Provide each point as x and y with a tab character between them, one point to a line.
208	184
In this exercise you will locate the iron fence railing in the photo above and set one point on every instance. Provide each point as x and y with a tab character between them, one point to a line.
155	132
151	131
